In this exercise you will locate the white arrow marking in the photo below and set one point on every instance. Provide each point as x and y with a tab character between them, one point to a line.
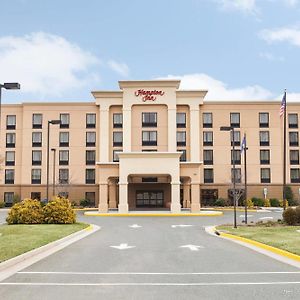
135	226
192	247
122	247
181	225
249	216
266	218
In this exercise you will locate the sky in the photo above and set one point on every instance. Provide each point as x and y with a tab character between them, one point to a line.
61	50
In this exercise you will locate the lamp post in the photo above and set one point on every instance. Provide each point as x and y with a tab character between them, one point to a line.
53	183
53	122
231	129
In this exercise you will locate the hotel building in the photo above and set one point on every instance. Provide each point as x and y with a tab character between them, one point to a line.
147	145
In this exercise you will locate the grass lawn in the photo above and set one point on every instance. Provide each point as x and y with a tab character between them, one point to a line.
283	237
18	239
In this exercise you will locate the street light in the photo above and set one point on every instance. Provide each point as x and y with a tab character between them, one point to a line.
231	129
53	122
53	183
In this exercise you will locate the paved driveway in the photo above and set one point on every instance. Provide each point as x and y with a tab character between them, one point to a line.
152	264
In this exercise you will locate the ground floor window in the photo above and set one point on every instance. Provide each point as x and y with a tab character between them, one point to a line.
240	196
209	196
8	198
63	195
91	196
36	195
149	199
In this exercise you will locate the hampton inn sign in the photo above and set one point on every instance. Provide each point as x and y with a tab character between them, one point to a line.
148	95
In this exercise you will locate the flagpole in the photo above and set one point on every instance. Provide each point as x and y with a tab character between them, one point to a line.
245	175
284	153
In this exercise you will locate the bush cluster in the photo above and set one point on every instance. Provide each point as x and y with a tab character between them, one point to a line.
291	216
2	204
28	211
85	202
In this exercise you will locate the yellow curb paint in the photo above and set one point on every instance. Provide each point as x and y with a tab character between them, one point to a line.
83	209
90	227
263	246
238	209
154	215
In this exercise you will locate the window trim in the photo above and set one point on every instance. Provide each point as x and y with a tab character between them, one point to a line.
13	126
37	125
181	125
150	124
36	162
207	125
235	125
263	125
208	180
66	125
10	162
90	125
149	142
63	162
90	162
117	143
90	144
117	125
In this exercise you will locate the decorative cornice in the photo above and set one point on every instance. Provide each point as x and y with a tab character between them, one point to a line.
107	94
148	83
191	93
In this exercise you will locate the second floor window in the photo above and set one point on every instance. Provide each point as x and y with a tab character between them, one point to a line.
263	119
294	157
293	138
10	158
181	120
90	120
9	176
238	175
64	120
117	138
235	119
293	120
11	122
181	138
295	175
36	175
207	120
90	176
264	157
265	175
10	140
264	139
149	138
207	138
36	139
90	157
36	157
149	119
37	121
91	139
208	176
64	139
63	157
118	120
63	176
208	158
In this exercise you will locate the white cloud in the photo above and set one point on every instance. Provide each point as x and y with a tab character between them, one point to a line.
120	68
45	64
284	34
271	57
246	6
218	90
291	3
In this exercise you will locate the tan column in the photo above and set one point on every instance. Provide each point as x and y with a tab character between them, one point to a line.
112	195
195	203
172	146
186	195
127	129
195	133
175	197
104	133
123	197
103	206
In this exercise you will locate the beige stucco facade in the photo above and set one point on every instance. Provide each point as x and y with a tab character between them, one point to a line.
136	155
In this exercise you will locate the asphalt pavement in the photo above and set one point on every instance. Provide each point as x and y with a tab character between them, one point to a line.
156	258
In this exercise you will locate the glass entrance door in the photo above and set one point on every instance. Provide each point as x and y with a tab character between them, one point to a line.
149	198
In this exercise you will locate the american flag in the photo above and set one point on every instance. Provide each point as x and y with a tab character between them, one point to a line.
243	145
283	105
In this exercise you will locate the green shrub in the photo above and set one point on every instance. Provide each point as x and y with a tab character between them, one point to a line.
16	199
27	211
85	202
221	202
249	203
281	203
297	214
290	196
59	211
257	201
274	202
2	204
289	216
267	203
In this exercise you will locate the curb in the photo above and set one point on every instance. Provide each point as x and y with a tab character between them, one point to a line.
15	264
213	214
85	209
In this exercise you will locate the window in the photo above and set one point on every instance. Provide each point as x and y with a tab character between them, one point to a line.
293	120
90	120
64	195
115	155
37	121
117	138
181	120
236	156
264	139
264	157
36	176
64	120
149	119
293	138
235	119
238	175
207	138
63	157
209	197
10	158
237	138
208	157
118	120
263	119
36	139
149	138
265	175
208	175
181	138
90	176
91	139
64	139
36	196
63	176
91	196
183	155
207	120
90	157
10	140
11	122
294	157
295	175
36	157
9	176
9	198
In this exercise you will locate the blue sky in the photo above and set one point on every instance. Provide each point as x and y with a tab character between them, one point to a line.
237	49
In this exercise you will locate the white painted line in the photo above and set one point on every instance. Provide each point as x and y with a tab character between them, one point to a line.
266	218
192	247
248	216
122	246
134	226
181	225
160	273
146	283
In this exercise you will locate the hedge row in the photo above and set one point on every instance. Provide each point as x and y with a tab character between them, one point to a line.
273	202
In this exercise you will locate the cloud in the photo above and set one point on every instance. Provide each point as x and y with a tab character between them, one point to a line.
120	68
291	3
218	90
271	57
284	34
46	64
246	6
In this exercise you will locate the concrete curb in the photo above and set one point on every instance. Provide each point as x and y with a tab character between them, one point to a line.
85	209
276	253
13	265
